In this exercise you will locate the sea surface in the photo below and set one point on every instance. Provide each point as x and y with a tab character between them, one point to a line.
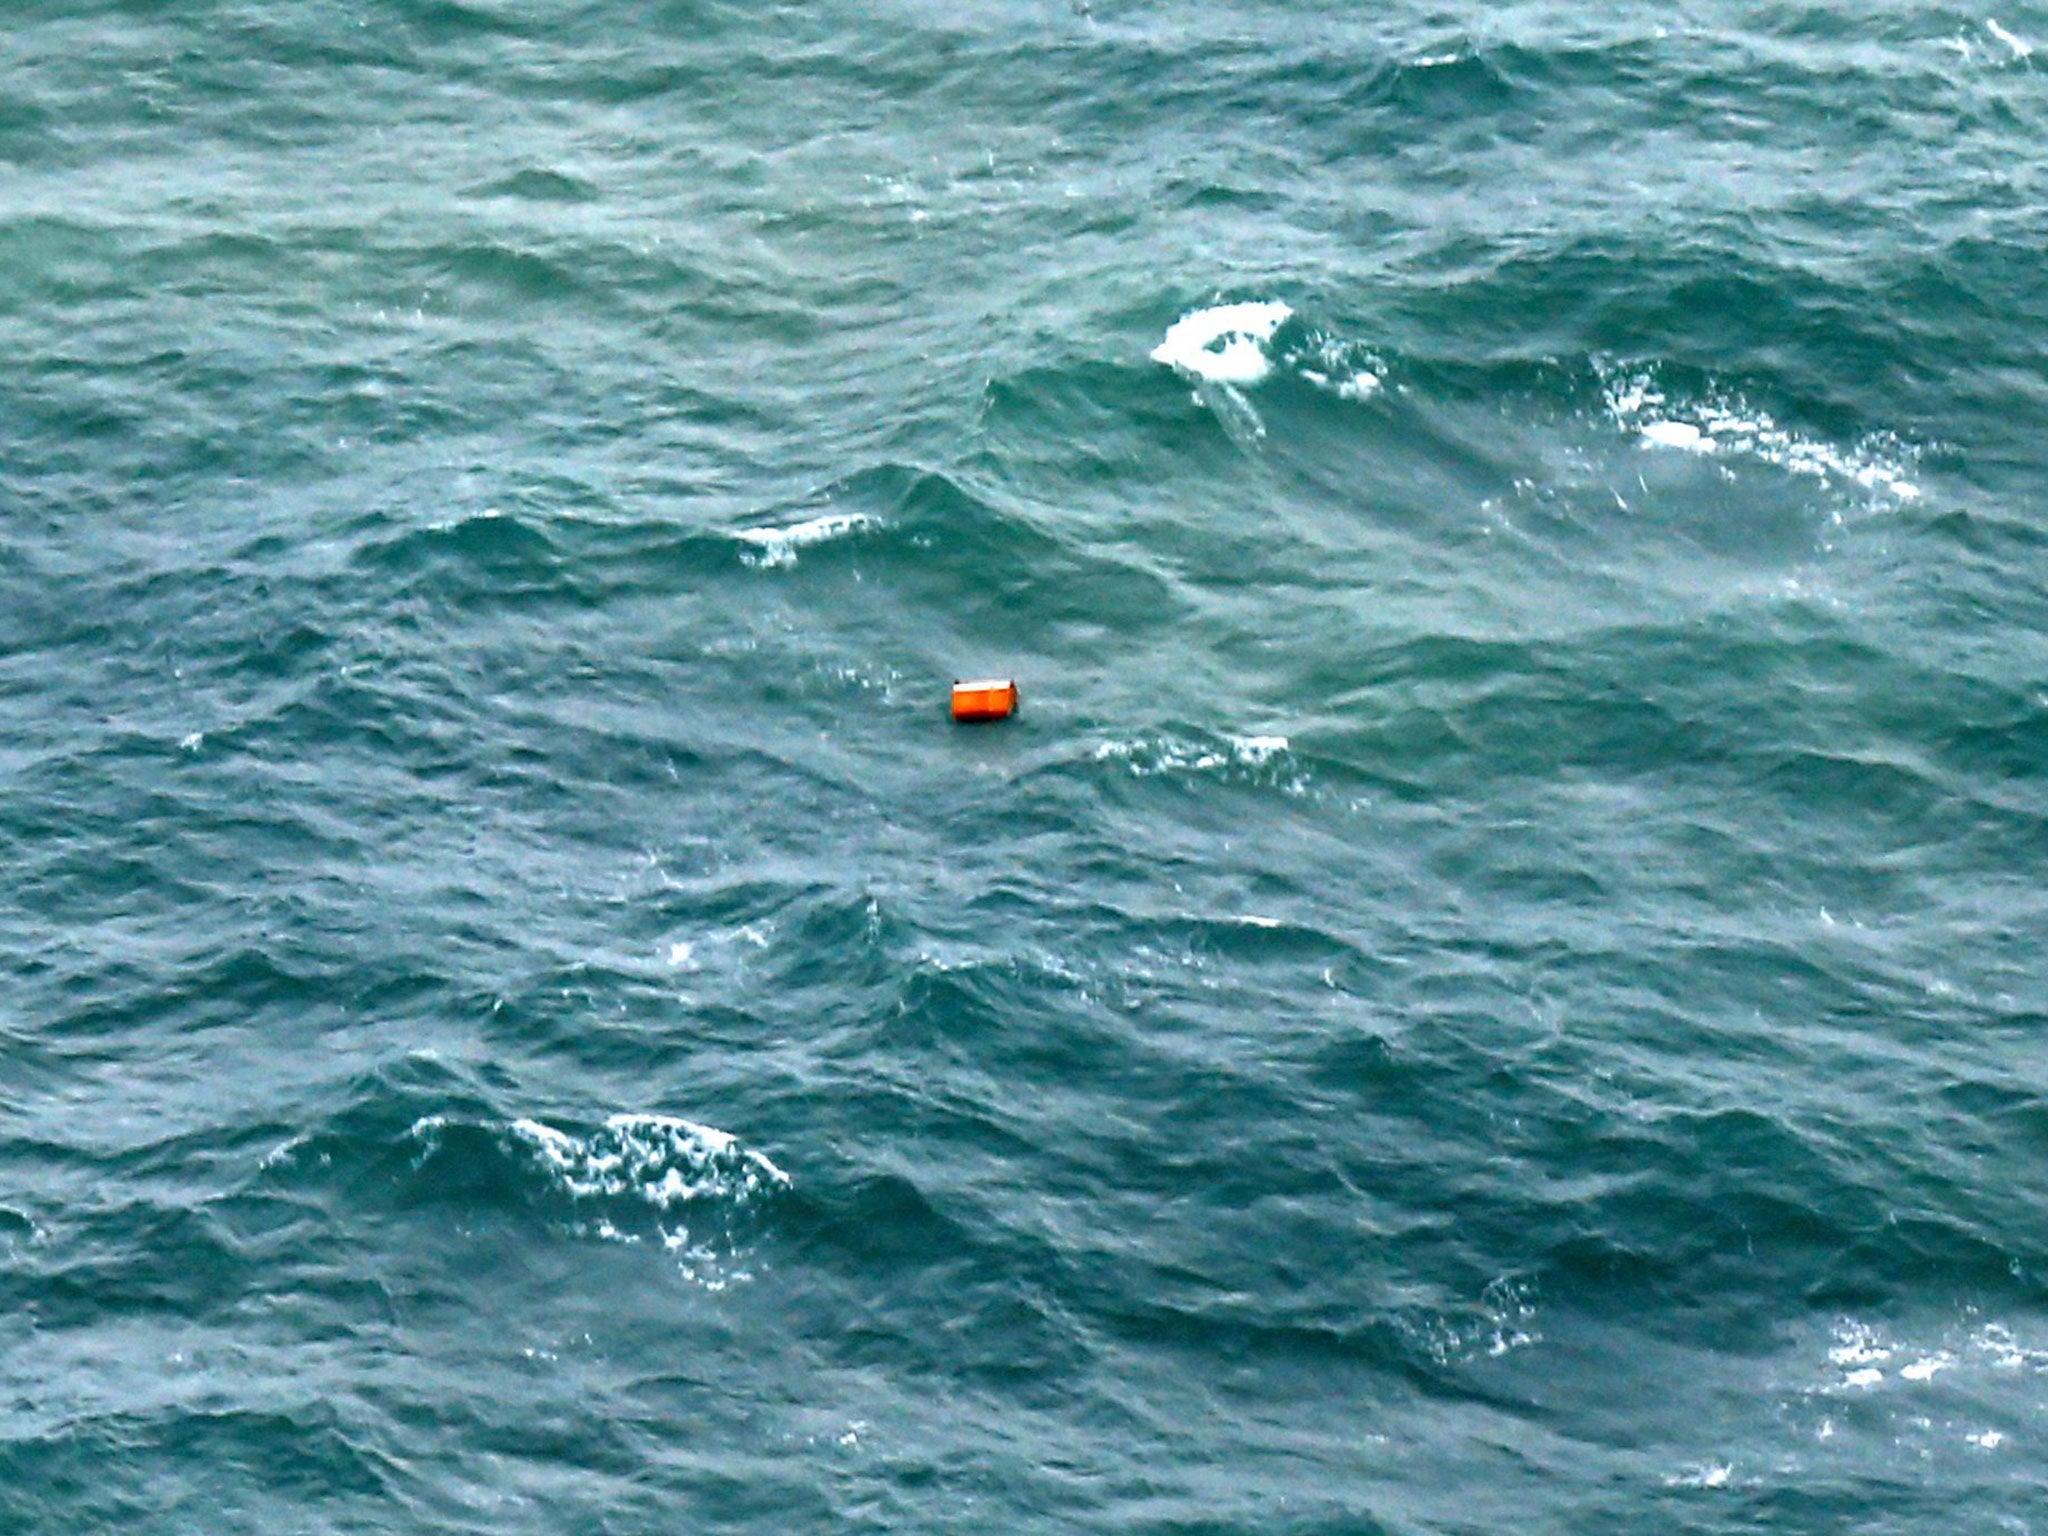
1497	983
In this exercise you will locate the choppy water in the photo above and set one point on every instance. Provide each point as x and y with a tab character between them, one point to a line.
1495	984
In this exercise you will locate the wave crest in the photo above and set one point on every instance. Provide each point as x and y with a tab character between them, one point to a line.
1263	760
773	547
1224	344
660	1160
1721	423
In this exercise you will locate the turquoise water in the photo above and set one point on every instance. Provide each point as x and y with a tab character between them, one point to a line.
1494	985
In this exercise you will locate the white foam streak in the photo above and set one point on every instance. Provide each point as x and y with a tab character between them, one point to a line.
1228	404
2020	47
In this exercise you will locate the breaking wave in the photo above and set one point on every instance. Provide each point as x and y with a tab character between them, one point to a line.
1722	423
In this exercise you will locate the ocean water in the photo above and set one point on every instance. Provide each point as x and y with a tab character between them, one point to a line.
1495	983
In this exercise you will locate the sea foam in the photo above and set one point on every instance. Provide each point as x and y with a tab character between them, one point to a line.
1226	344
1255	760
661	1160
778	546
1726	425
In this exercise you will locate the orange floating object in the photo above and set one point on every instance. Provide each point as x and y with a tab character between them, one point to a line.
984	698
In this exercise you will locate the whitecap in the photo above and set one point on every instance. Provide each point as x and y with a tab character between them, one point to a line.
1858	1344
660	1160
778	546
1346	369
1225	344
1257	750
1924	1368
1256	759
1713	1474
1721	423
1677	434
2005	1352
1502	1322
1144	758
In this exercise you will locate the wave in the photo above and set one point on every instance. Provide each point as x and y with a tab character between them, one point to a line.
778	546
1257	760
1533	444
1000	569
661	1161
1227	348
635	1177
1966	1389
541	185
419	1136
1718	421
1227	344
